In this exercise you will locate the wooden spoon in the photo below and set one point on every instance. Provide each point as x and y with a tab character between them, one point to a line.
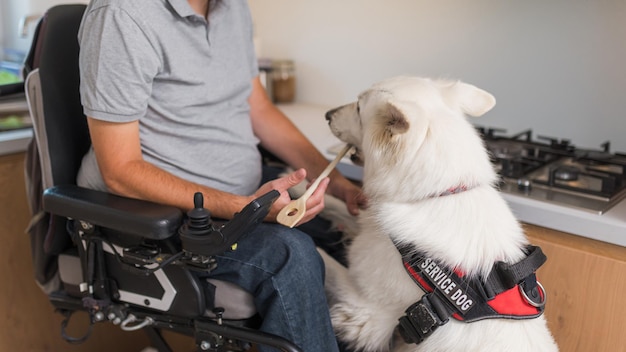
294	211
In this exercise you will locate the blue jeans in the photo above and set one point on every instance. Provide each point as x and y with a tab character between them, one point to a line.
282	269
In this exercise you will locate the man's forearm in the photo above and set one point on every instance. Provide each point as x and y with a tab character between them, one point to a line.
143	180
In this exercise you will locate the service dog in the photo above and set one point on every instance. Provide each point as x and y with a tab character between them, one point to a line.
435	222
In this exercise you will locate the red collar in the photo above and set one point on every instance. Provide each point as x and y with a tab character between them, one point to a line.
455	190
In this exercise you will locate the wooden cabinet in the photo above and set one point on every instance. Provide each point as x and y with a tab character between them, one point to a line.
586	285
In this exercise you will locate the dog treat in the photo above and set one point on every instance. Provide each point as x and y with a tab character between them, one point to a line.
295	210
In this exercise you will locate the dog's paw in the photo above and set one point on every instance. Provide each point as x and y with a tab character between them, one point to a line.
357	328
336	212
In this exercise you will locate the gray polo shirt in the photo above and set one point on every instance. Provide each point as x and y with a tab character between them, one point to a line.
186	80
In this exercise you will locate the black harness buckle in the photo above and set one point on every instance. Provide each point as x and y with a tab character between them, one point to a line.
420	321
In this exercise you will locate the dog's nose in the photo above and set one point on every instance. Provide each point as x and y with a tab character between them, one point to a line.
329	114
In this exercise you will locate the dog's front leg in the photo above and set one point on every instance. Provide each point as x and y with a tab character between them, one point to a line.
357	322
336	277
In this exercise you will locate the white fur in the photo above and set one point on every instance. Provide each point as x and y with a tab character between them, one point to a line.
416	143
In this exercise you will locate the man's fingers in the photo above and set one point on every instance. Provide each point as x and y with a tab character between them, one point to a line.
291	180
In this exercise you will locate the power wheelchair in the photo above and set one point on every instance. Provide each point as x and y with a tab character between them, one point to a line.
124	261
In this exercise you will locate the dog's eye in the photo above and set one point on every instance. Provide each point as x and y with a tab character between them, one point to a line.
358	108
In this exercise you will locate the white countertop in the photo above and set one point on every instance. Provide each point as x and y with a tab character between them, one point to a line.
15	141
609	227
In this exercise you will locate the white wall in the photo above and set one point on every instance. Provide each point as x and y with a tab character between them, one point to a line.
558	66
12	11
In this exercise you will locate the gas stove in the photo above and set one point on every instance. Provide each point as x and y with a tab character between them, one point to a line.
555	171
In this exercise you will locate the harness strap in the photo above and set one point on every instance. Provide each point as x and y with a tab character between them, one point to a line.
506	276
511	291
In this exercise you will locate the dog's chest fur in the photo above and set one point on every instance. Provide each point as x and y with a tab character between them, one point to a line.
377	272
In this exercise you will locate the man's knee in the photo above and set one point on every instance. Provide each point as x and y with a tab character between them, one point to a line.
293	248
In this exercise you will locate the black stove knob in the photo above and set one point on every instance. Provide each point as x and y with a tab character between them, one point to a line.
524	185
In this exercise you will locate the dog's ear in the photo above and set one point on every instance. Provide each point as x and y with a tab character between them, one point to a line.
395	121
470	99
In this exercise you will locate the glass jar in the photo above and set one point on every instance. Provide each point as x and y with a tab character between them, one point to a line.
283	81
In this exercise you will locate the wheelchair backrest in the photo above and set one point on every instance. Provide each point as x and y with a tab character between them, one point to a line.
61	135
54	53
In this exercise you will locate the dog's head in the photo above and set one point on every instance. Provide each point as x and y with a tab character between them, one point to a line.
413	137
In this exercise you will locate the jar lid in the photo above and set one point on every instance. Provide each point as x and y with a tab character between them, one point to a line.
283	64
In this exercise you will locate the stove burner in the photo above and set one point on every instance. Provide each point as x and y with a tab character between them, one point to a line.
518	156
505	150
566	173
555	171
571	175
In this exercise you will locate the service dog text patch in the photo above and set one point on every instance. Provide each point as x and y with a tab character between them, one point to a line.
447	283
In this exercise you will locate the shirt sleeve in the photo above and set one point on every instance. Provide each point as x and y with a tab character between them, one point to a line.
117	66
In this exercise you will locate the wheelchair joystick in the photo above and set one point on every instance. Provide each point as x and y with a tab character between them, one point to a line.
199	218
200	237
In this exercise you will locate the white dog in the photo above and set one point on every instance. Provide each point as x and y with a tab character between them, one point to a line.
432	208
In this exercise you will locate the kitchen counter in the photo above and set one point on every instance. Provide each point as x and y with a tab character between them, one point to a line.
609	227
15	141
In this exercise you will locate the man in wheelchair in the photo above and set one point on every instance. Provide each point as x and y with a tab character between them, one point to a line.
176	112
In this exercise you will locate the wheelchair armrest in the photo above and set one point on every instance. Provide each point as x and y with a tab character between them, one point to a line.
132	216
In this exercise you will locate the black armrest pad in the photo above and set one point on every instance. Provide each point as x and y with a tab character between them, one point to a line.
132	216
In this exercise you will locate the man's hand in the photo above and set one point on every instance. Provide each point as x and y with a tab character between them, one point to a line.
352	195
314	204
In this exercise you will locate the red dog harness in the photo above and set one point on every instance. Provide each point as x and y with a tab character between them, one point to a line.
510	291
